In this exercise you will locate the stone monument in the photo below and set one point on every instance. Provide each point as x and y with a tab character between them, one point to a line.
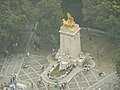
69	58
70	46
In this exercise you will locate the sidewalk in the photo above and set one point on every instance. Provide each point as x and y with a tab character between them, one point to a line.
12	65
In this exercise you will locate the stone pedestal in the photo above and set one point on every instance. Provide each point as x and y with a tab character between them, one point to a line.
70	41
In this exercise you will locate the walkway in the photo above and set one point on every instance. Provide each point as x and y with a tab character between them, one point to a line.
82	81
33	72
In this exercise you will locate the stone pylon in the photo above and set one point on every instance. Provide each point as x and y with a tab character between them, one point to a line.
70	46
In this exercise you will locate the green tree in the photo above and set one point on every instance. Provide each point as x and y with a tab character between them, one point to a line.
48	14
104	15
114	30
14	15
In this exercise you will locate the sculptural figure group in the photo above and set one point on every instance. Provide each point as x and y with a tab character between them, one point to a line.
69	23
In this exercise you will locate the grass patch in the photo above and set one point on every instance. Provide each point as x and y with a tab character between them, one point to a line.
57	73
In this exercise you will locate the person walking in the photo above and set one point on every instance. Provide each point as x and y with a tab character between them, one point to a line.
28	54
100	74
11	80
1	76
32	86
48	86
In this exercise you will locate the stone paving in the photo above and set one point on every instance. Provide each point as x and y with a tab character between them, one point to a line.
109	83
12	65
31	74
81	81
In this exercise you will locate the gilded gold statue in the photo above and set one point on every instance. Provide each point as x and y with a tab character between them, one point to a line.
69	23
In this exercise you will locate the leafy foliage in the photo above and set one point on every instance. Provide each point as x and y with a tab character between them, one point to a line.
103	14
15	14
13	17
48	13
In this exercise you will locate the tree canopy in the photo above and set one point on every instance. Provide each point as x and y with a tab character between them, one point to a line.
48	14
14	15
104	15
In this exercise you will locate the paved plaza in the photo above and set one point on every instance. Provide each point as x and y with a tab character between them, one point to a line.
81	81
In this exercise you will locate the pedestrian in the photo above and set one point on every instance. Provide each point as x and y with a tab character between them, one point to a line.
52	51
88	67
38	83
3	68
65	82
87	28
85	67
32	85
97	55
34	46
90	38
33	29
40	79
99	88
11	80
5	88
15	75
28	54
42	68
16	44
1	76
38	49
100	74
48	86
25	64
62	87
10	58
82	88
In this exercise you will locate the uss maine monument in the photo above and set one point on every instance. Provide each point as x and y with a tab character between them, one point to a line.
70	46
69	59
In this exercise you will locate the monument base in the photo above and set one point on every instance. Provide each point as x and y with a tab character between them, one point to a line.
65	61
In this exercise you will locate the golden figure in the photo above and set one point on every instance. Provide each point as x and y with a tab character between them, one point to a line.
69	23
